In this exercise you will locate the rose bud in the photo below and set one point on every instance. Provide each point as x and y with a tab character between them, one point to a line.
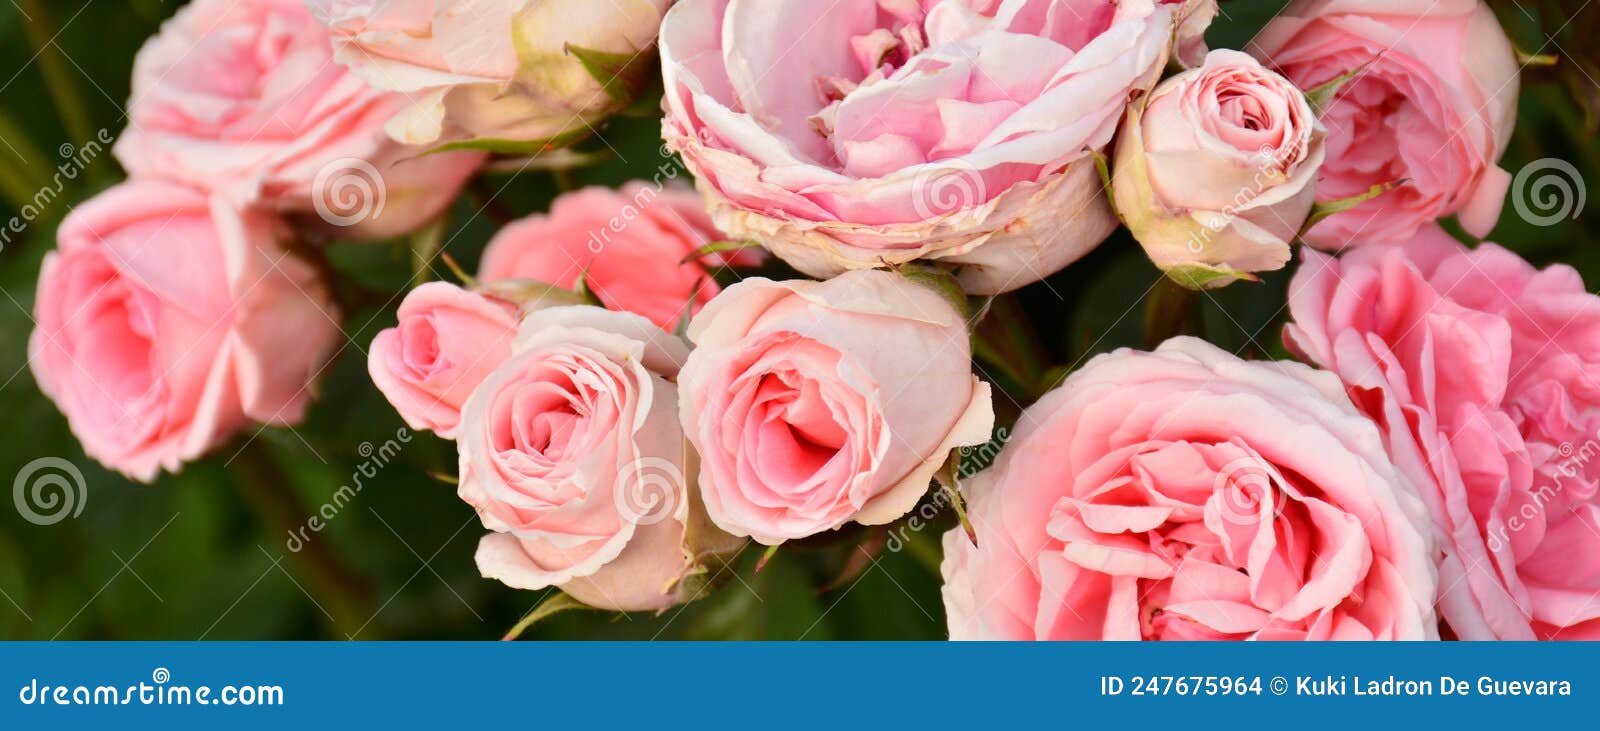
505	75
1432	103
1216	173
168	321
243	97
447	341
814	404
629	247
1186	494
572	454
862	134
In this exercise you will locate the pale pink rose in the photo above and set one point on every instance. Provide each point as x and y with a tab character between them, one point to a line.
870	132
243	96
628	245
1216	173
814	404
1485	374
1434	105
447	341
1186	494
495	72
167	322
572	454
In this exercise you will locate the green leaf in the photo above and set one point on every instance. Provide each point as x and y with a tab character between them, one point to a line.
621	75
502	146
1324	209
718	247
1323	95
941	281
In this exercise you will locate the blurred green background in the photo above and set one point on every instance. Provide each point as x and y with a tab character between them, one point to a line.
203	554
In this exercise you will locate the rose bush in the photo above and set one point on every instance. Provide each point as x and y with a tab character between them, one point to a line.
1485	375
956	130
1433	104
167	321
1186	494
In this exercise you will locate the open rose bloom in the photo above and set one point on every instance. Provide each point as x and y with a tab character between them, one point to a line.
1185	494
631	248
500	74
168	321
1433	105
572	455
243	97
1216	171
815	404
854	134
1485	375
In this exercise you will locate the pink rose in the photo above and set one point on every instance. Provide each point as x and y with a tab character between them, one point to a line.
572	454
1434	105
447	341
1185	494
877	132
243	96
497	72
1485	374
1216	173
167	322
814	404
630	246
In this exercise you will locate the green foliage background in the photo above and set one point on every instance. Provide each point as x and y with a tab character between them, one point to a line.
203	554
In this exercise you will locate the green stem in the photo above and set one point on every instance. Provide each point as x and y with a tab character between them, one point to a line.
1169	311
21	164
557	603
52	65
1005	340
339	591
